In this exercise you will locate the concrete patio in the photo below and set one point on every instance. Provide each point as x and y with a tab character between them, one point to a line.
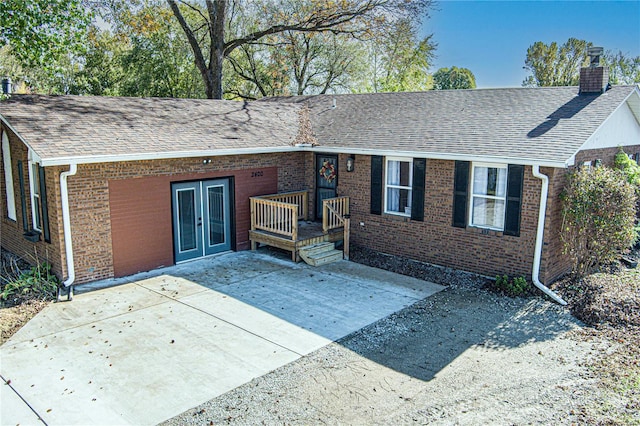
145	348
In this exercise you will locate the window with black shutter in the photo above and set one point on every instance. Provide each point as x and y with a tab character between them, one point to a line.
417	193
376	184
514	200
460	194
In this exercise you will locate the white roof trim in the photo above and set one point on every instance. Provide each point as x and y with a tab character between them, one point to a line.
15	132
444	156
621	105
60	161
144	156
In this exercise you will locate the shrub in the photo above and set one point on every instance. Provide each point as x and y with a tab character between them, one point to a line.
630	168
599	210
514	287
35	283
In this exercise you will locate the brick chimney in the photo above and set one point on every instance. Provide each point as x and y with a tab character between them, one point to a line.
595	78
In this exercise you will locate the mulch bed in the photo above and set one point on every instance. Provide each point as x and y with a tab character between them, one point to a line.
607	298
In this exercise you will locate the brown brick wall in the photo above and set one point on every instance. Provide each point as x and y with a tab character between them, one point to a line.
606	155
11	232
593	79
91	214
554	262
435	240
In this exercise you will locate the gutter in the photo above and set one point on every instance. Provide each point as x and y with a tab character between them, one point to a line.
66	223
537	256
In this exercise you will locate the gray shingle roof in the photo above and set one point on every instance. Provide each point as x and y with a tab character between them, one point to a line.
63	127
528	124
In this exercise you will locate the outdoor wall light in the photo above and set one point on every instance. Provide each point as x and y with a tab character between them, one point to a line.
351	162
206	161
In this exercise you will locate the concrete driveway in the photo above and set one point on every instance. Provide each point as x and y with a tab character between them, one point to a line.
163	342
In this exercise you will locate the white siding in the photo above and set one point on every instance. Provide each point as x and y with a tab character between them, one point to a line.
620	129
8	177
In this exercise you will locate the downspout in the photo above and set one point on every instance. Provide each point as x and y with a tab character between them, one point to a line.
537	256
66	224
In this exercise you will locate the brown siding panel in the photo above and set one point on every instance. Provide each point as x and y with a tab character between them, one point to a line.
140	224
140	215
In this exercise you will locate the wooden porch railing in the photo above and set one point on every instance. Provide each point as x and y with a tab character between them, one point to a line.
335	214
300	198
279	213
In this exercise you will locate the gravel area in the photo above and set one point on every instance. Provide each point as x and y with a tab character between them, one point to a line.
413	268
463	356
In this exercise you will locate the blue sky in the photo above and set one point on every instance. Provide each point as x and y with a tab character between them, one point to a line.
491	37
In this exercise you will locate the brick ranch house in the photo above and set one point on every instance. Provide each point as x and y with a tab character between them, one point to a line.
106	187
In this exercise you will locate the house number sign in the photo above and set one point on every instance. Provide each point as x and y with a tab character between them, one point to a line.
257	174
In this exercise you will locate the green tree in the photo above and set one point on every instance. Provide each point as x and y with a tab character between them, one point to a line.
554	65
398	60
453	78
102	72
622	69
227	25
599	212
159	61
41	33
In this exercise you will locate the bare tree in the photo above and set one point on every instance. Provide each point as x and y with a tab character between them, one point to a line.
212	41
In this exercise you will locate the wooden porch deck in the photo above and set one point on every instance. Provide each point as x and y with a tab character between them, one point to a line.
282	220
309	233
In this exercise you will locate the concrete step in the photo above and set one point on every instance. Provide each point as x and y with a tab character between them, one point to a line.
324	258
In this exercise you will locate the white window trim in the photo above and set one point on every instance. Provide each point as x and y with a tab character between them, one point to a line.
386	185
487	197
8	177
32	193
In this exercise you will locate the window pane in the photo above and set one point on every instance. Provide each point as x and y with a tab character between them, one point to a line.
490	181
36	179
487	212
187	220
399	200
404	174
36	210
216	215
398	173
393	172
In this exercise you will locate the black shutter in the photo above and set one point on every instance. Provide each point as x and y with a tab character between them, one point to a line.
460	194
43	202
376	184
23	198
417	190
515	178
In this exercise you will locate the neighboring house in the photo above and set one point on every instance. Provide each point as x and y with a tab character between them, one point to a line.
106	187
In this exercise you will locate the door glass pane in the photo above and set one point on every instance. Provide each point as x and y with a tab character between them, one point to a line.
215	195
187	220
